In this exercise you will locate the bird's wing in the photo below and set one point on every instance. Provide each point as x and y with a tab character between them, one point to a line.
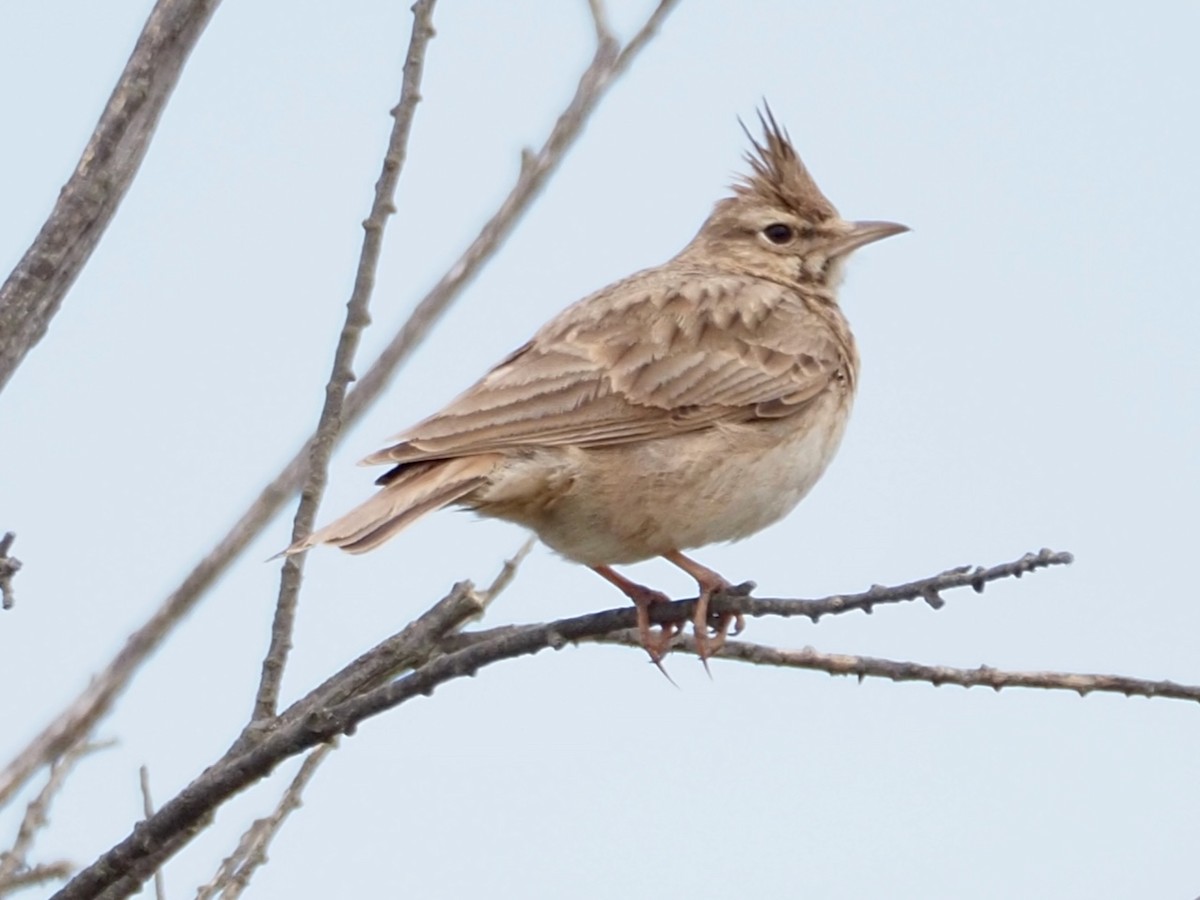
647	358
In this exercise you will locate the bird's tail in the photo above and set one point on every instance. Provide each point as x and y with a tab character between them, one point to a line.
409	493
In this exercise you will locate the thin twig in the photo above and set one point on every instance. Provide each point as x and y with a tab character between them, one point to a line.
14	863
421	640
139	852
9	566
414	646
536	168
508	571
35	875
898	670
600	21
927	589
106	686
238	868
645	34
35	290
160	889
329	425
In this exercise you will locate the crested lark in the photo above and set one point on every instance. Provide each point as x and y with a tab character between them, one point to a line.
687	404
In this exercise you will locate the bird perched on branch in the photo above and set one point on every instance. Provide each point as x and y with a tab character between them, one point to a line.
687	404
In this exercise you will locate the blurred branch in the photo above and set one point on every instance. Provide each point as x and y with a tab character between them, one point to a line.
238	868
35	875
329	425
320	717
104	687
160	890
607	64
15	871
34	291
508	571
9	566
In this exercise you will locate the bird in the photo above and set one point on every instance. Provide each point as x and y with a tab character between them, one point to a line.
688	404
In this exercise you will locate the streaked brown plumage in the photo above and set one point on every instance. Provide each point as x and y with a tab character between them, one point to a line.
687	404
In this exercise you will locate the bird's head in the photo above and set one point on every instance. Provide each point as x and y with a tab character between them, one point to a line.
777	224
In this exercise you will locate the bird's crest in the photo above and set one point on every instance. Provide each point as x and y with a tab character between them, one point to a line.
777	176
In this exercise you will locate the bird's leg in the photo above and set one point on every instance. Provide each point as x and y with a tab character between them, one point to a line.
643	597
709	583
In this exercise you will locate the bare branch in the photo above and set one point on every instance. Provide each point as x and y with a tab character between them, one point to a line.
15	872
36	875
896	670
507	573
34	291
536	169
358	318
160	890
9	566
415	645
410	648
927	589
320	718
70	725
739	602
645	34
425	637
106	685
600	21
238	868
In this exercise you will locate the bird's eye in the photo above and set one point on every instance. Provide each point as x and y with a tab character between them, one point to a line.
778	233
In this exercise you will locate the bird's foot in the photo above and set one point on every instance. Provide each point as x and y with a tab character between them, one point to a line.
710	629
736	619
657	645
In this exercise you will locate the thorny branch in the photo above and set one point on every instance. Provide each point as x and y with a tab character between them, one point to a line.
358	318
35	290
927	589
321	717
106	686
681	611
896	670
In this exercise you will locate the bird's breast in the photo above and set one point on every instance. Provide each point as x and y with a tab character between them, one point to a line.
631	502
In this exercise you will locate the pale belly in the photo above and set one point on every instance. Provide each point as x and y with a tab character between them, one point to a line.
633	502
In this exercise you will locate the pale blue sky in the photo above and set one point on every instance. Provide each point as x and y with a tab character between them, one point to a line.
1030	379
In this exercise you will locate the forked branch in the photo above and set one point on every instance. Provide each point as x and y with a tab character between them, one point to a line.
440	656
103	689
329	425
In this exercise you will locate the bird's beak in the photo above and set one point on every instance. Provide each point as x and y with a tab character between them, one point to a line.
863	233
